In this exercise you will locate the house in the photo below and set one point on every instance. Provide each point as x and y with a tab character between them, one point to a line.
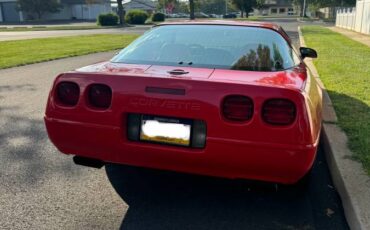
146	5
8	11
276	8
72	9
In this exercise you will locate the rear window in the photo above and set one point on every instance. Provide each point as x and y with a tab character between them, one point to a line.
211	46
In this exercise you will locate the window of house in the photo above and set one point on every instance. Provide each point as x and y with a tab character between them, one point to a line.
281	10
273	11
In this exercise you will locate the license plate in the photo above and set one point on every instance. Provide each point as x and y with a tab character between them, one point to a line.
171	131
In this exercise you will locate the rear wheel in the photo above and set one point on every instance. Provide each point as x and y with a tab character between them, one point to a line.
300	187
305	181
131	183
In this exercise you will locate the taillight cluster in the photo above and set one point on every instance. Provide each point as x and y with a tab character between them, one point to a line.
237	108
279	112
98	96
276	111
68	93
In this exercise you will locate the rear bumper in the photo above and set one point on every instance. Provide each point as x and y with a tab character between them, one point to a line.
221	157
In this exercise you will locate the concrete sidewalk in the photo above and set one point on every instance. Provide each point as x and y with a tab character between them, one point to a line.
363	38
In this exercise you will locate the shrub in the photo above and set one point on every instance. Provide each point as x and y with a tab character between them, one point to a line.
109	19
136	17
158	17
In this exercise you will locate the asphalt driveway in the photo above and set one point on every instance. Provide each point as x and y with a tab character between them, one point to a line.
39	187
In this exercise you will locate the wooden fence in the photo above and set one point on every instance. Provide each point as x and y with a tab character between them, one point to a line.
355	18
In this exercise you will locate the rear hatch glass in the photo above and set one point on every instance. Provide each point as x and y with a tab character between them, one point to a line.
211	46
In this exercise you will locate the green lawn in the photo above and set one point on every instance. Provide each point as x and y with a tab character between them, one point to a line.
21	52
45	28
344	67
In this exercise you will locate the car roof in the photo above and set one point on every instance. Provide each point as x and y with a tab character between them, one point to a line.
260	24
268	25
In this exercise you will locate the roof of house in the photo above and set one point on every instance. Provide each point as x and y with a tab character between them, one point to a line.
140	4
268	25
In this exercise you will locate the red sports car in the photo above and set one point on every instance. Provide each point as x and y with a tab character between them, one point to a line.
219	98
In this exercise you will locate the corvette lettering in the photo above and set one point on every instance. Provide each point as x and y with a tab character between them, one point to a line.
166	104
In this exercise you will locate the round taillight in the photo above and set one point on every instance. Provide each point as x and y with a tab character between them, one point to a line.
237	108
100	96
279	112
68	93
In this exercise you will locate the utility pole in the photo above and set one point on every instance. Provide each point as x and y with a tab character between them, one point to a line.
304	9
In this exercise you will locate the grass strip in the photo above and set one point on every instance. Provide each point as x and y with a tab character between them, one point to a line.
22	52
344	68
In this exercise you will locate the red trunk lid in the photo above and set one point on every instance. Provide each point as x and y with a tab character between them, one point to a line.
293	78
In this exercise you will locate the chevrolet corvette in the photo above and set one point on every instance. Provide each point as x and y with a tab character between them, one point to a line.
219	98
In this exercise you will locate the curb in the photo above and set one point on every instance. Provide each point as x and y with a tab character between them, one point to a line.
349	178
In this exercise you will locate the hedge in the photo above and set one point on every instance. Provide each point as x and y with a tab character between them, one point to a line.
109	19
158	17
136	17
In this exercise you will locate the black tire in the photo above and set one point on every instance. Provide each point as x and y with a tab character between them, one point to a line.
130	182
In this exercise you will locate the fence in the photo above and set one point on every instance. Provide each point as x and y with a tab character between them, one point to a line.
355	18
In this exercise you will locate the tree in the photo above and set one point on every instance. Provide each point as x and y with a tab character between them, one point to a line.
121	12
245	6
191	7
39	7
261	4
183	7
212	6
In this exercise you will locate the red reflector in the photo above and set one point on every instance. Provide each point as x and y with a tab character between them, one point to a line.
237	108
279	112
100	96
68	93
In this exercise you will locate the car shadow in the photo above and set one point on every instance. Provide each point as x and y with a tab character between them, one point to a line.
23	143
168	200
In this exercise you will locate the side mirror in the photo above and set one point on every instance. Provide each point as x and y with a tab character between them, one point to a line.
307	52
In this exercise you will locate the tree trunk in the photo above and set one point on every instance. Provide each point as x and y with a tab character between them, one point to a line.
242	14
246	14
120	13
191	5
39	15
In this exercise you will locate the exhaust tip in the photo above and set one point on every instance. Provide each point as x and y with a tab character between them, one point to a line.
88	162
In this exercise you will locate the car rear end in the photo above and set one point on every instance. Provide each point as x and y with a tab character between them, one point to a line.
236	130
231	123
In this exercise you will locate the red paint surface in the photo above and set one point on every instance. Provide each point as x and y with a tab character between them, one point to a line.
252	149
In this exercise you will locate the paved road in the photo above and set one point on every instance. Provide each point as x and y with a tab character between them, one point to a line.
39	187
21	35
42	189
164	200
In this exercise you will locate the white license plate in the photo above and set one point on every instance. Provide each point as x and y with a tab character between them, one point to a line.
165	130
